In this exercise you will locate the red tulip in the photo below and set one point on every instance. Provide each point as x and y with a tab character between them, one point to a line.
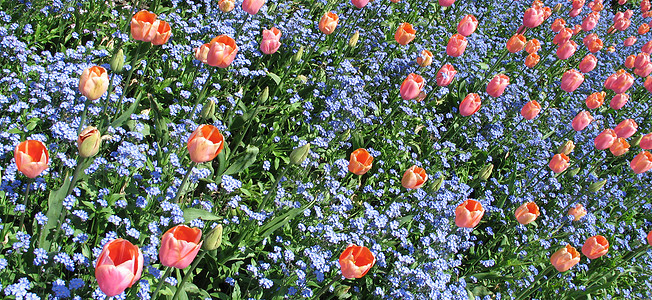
468	214
31	157
119	266
205	143
356	261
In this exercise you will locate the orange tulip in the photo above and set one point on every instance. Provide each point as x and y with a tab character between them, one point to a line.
162	33
468	214
119	266
629	61
425	59
360	161
179	246
220	52
619	147
328	22
532	46
414	178
565	258
205	143
404	34
649	238
94	82
577	212
595	100
144	26
356	261
516	43
31	158
595	247
530	110
532	60
527	213
470	104
559	163
456	45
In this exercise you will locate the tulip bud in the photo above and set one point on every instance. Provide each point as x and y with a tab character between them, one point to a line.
299	154
213	239
117	62
438	183
89	141
485	172
208	111
557	8
303	79
574	172
341	291
636	141
354	39
297	57
596	186
264	95
566	148
226	5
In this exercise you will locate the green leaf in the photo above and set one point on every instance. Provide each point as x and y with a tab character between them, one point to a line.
55	206
244	161
126	114
274	77
190	214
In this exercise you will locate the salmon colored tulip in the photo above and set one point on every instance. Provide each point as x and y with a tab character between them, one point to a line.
533	17
646	142
94	82
532	46
563	36
595	45
647	48
404	34
630	41
456	45
328	22
565	258
645	7
497	85
578	211
467	25
446	3
446	74
360	161
619	147
558	25
629	61
468	214
590	21
271	40
179	246
527	213
144	26
205	143
252	6
588	63
532	60
516	43
226	5
221	51
626	128
162	33
414	178
360	3
641	163
619	82
470	104
566	50
356	261
595	247
644	71
559	163
31	157
643	29
595	100
574	12
618	101
605	139
582	120
571	80
119	266
411	86
425	58
530	110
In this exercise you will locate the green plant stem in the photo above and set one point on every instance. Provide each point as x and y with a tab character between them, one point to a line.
202	95
83	116
64	213
26	203
168	270
326	287
183	183
529	290
273	191
187	276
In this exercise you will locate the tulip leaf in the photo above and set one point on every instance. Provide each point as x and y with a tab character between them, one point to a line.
190	214
127	113
274	77
55	207
243	161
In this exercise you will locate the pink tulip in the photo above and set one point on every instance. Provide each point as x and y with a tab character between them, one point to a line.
618	101
644	71
595	246
642	60
647	48
629	41
119	266
588	63
470	104
582	120
252	6
590	21
179	246
559	163
641	163
360	3
566	50
575	12
497	85
456	45
648	84
222	51
414	178
467	25
411	86
605	139
646	142
530	110
446	75
446	3
629	61
619	82
558	25
533	17
626	128
271	40
571	80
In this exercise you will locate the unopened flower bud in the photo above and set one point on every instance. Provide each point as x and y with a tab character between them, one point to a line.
89	141
117	62
213	239
264	95
302	78
636	141
557	8
226	5
566	148
342	291
354	39
574	172
485	172
596	186
438	183
297	56
299	154
208	111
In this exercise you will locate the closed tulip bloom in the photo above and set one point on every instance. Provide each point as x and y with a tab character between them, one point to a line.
595	247
119	266
94	82
404	34
566	148
643	29
559	163
468	214
446	74
588	63
328	22
467	25
558	25
626	128
630	41
162	33
470	104
89	141
497	85
595	45
360	3
201	53
644	71
222	51
641	163
574	12
646	142
563	36
527	213
516	43
649	238
446	3
590	21
618	101
456	45
582	120
179	246
356	261
144	26
619	147
425	58
648	84
571	80
411	86
566	50
31	157
647	48
533	17
605	139
226	5
205	143
629	61
252	6
565	258
530	110
532	46
578	211
532	60
271	40
360	161
589	38
414	178
645	7
619	82
595	100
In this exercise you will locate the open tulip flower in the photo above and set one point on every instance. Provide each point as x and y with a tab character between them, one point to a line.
31	157
595	247
205	143
565	258
578	211
94	82
414	178
527	213
468	214
179	246
119	266
356	261
360	161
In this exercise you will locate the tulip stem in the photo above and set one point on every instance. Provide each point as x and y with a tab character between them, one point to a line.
25	202
326	287
64	213
274	187
201	96
168	270
529	290
187	276
183	182
83	116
